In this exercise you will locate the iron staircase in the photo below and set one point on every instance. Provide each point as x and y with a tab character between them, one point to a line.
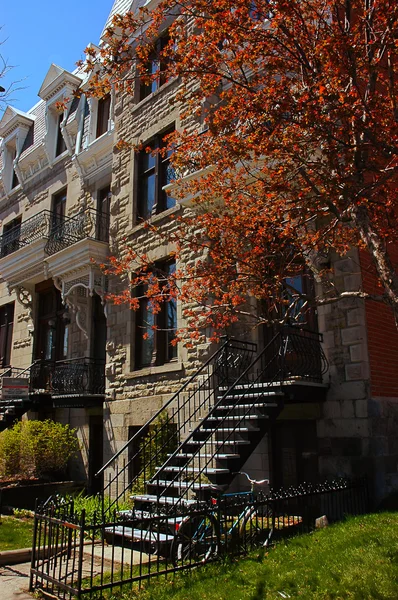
193	447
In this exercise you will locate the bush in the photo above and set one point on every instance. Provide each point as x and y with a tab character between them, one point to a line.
37	449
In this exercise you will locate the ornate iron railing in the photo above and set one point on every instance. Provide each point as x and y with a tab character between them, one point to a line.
88	224
300	355
78	376
26	233
41	373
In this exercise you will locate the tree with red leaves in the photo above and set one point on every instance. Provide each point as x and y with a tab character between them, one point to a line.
289	151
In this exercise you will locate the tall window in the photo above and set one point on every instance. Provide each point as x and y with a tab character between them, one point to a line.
60	146
6	328
15	180
155	67
154	172
11	236
52	332
103	209
59	208
104	107
156	332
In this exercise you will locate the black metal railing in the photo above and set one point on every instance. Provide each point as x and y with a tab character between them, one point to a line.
74	377
208	413
78	376
300	355
76	555
136	462
88	224
25	233
41	373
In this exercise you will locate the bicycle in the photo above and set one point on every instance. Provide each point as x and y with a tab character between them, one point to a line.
199	537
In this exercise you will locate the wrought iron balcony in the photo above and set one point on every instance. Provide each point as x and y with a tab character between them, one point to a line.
41	373
88	224
78	377
31	230
300	356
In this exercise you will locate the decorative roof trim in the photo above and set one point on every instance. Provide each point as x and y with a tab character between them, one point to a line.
55	80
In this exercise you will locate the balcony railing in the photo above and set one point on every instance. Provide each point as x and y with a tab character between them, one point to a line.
300	355
23	234
79	377
88	224
74	377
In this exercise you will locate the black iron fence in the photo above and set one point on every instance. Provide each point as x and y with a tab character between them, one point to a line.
77	556
88	224
23	234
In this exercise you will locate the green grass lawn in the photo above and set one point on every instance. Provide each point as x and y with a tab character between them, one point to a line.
15	533
356	559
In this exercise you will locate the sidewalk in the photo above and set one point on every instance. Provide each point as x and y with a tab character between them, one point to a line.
14	582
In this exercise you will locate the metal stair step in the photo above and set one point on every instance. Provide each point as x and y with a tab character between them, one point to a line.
140	535
162	499
184	485
271	385
251	396
218	442
237	418
224	456
205	471
143	515
231	429
242	406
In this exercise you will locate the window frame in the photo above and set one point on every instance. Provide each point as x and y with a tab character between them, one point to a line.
58	208
60	144
7	315
103	116
155	65
159	170
158	346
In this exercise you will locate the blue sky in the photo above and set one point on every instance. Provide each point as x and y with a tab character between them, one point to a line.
36	34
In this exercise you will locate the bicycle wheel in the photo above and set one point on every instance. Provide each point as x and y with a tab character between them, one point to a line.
257	527
196	540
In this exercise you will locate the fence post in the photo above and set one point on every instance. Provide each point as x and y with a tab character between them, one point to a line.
34	541
82	526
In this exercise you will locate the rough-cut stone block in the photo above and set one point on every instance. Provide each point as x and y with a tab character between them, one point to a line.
357	371
357	353
347	409
352	335
361	408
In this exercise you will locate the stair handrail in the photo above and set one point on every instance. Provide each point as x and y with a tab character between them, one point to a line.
268	384
164	407
216	406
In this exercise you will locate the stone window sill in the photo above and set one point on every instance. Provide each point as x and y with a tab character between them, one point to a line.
171	367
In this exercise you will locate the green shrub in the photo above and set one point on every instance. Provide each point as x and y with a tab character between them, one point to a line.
37	449
160	441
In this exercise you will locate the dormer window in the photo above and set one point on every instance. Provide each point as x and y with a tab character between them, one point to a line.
103	113
60	145
14	128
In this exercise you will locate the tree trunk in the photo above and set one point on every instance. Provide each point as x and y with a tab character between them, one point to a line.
378	251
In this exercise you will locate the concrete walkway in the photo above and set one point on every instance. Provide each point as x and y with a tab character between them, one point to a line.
14	582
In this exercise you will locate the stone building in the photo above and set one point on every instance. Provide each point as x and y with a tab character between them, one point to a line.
69	199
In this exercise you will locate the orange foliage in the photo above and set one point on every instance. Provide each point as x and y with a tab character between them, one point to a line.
295	104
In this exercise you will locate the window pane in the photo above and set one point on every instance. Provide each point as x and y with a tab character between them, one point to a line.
147	320
147	196
148	161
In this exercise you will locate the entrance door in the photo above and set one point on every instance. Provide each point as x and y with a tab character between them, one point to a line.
99	330
294	452
95	453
